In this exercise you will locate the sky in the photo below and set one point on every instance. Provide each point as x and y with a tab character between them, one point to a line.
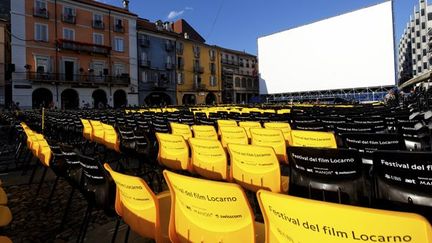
236	24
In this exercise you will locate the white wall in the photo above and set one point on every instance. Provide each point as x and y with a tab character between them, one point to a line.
355	49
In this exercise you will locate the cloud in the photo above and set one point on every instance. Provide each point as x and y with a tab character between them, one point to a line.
175	14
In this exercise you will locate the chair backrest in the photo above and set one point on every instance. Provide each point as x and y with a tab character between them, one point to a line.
204	132
209	158
294	219
208	211
111	139
367	143
326	174
97	131
173	151
313	139
225	123
247	125
87	129
283	126
403	177
136	204
181	129
273	138
233	135
255	167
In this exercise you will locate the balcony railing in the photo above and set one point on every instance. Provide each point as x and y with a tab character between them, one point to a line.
98	24
145	63
78	79
119	28
144	42
198	69
169	66
41	12
199	87
229	62
162	84
83	47
69	18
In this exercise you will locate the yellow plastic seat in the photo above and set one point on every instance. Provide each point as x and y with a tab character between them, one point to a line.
173	151
204	132
181	129
283	126
5	216
313	139
273	138
146	213
209	211
209	158
249	124
87	129
5	239
256	167
294	219
44	153
225	123
97	132
3	197
233	134
111	140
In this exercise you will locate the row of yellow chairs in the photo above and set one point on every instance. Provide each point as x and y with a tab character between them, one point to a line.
199	210
101	133
5	214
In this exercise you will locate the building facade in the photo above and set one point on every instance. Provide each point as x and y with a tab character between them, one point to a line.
156	60
415	45
198	68
73	53
5	64
240	81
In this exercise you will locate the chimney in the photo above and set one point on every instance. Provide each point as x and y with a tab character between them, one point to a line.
126	4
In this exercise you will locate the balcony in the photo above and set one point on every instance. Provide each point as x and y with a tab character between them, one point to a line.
169	66
83	47
74	79
41	12
229	62
119	28
198	69
199	87
144	42
98	24
145	63
69	18
169	46
161	84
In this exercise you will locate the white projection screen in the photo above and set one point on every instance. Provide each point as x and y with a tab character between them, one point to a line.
352	50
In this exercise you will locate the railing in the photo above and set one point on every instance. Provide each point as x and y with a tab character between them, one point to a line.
41	12
199	87
229	62
43	77
98	24
169	66
83	47
198	69
162	84
145	63
69	18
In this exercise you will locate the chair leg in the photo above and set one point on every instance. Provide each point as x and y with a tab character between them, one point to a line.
84	226
41	180
52	191
69	202
116	230
127	234
33	173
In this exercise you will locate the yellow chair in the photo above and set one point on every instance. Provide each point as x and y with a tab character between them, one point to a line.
97	132
3	197
283	126
173	151
181	129
5	216
209	211
294	219
225	123
204	132
208	158
87	129
273	138
147	214
111	140
256	167
313	139
233	135
247	125
5	239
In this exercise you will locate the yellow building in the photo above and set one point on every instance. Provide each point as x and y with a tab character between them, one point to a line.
198	68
